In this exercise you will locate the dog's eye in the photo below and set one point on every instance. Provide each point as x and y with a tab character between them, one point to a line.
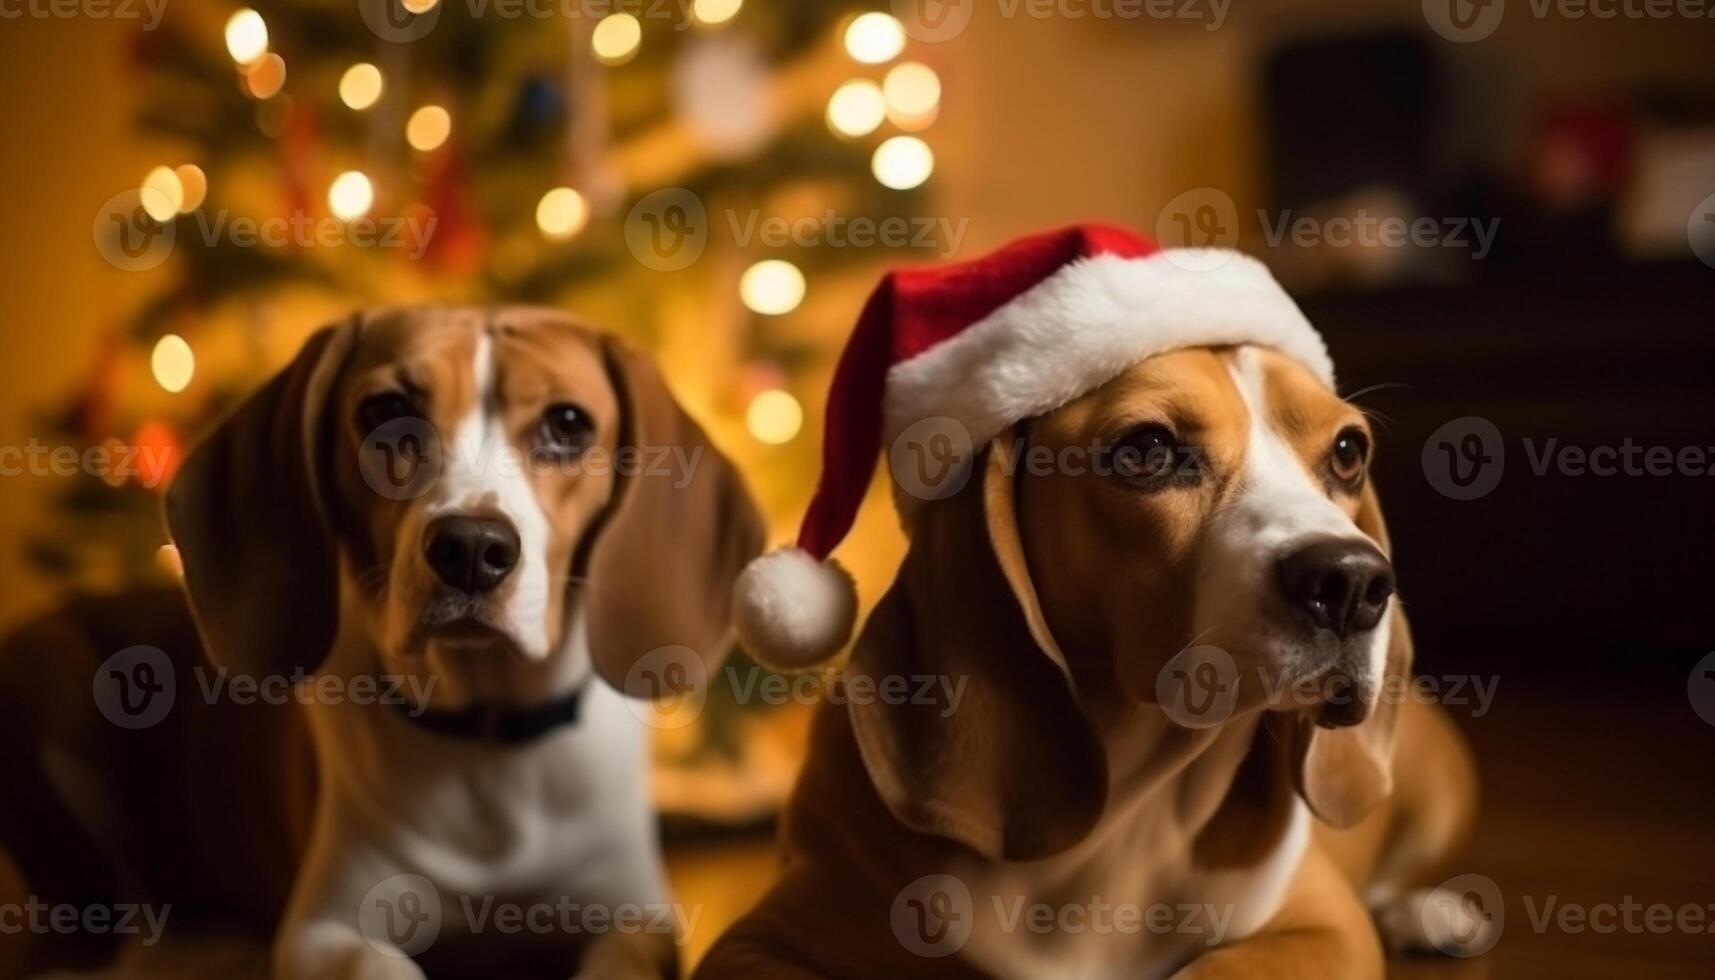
566	429
377	410
1351	450
1151	456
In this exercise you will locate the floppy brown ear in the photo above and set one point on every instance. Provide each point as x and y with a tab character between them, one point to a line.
1011	769
1343	773
247	512
680	527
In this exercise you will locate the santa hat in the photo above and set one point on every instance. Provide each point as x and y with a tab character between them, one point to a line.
986	344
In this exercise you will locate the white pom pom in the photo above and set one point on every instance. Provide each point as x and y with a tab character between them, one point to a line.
792	611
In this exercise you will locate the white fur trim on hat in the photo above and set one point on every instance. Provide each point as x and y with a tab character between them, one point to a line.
792	611
1085	324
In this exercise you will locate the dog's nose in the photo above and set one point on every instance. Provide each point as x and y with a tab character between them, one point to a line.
1343	585
471	554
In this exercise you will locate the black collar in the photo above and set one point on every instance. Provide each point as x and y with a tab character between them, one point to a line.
488	723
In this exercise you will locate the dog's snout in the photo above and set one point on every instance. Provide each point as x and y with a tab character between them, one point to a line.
471	554
1341	584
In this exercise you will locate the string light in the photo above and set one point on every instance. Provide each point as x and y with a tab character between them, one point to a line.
902	162
428	128
913	91
419	6
350	195
360	87
195	186
616	38
266	76
875	38
562	213
246	36
172	363
856	108
162	195
774	417
712	12
772	286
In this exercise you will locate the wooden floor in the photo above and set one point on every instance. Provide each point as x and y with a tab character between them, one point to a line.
1587	804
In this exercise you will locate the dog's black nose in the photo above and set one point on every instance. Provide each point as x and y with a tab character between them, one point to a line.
1343	585
471	554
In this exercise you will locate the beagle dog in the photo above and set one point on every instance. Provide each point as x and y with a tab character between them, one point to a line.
431	532
1011	836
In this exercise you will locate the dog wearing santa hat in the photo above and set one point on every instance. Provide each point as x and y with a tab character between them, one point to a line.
1145	547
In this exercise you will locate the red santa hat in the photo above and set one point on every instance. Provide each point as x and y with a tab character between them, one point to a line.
986	344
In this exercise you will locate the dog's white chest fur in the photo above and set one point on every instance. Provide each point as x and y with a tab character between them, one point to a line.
1125	903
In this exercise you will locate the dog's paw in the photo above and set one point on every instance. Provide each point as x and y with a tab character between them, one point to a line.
1435	920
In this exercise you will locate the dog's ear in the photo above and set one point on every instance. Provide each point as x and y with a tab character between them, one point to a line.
247	511
1012	768
661	562
1343	773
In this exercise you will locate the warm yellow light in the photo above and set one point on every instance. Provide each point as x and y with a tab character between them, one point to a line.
774	417
772	286
912	90
856	108
616	38
360	86
172	363
902	162
246	36
428	128
419	6
350	195
168	556
713	12
163	194
562	213
195	184
266	76
875	38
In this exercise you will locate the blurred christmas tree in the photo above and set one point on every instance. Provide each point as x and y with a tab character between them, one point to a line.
625	165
